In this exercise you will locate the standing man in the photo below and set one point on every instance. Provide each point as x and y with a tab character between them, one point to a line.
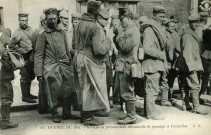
22	43
127	42
153	64
53	64
75	19
6	76
172	51
90	70
189	62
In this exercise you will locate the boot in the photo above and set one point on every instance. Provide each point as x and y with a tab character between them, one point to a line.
196	105
101	113
25	93
56	118
89	120
164	98
66	112
5	115
92	122
130	119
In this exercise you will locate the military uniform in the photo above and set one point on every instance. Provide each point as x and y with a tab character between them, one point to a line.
189	62
53	63
21	42
89	65
127	43
154	40
6	76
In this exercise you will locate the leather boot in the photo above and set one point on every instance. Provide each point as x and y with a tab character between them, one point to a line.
89	120
25	92
130	119
56	118
196	105
66	114
164	98
5	115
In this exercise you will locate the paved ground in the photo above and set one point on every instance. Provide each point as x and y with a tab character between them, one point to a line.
177	122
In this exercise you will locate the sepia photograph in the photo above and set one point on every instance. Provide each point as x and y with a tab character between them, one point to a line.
105	67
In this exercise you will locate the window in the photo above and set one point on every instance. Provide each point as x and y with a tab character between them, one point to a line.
1	16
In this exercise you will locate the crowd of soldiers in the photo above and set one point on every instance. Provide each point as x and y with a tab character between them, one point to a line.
79	67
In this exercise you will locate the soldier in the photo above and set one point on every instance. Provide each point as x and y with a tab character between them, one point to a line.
22	43
75	19
153	64
6	76
127	42
53	64
43	103
172	52
189	63
91	48
102	21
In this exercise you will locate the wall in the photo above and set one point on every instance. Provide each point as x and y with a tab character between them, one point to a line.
180	8
35	8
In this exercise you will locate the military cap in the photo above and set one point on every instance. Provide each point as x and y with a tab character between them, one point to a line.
42	17
159	9
50	11
125	12
114	17
64	13
104	13
135	16
76	15
194	17
93	4
23	15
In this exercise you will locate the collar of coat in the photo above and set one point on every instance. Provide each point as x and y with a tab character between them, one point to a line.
88	17
192	33
27	29
46	29
158	30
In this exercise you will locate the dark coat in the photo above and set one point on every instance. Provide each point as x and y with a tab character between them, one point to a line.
189	59
52	60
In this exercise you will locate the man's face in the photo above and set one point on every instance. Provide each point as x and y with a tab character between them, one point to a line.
171	27
102	21
75	21
124	21
159	17
23	22
51	20
64	20
194	25
115	22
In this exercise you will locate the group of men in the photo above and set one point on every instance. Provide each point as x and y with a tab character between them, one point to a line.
75	67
